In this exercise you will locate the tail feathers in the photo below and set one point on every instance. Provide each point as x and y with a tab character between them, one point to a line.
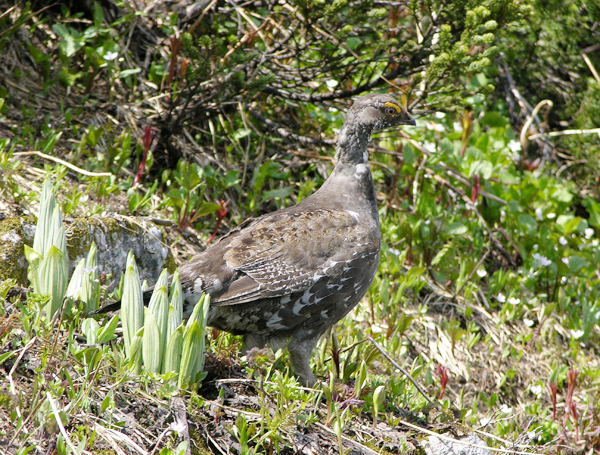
116	306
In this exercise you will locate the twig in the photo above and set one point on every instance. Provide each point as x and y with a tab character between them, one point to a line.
564	133
161	437
109	436
206	10
283	132
60	425
523	137
13	389
181	423
217	446
64	163
363	448
588	62
406	373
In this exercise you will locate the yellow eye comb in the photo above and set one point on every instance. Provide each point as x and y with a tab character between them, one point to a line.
394	105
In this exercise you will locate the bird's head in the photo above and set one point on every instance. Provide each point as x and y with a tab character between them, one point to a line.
375	112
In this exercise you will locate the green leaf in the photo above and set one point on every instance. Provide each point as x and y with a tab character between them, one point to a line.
69	43
378	397
107	333
33	272
576	263
231	178
159	307
54	272
568	223
190	342
207	208
135	356
241	133
42	240
123	74
174	351
6	356
132	304
150	343
277	193
483	168
527	223
176	290
74	288
456	228
90	328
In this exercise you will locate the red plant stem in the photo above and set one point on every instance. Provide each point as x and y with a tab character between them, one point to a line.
148	137
220	215
553	391
442	372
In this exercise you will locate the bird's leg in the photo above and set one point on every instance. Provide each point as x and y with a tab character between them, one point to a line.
252	341
300	353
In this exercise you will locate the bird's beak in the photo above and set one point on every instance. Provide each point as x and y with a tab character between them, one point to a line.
411	121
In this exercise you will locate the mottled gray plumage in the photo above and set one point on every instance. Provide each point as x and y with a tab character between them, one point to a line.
288	276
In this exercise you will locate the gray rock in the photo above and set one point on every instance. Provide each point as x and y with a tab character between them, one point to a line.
439	446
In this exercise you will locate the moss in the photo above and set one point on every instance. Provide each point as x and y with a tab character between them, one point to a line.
170	263
199	447
12	258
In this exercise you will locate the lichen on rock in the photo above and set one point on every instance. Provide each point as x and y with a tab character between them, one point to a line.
114	237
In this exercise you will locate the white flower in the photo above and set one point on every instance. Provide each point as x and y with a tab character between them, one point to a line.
576	334
457	127
501	298
563	280
514	146
435	39
551	216
331	83
481	273
536	389
562	241
535	247
110	56
514	301
435	127
430	146
528	322
565	261
484	421
539	214
177	427
505	409
538	259
440	115
532	435
376	329
589	233
502	215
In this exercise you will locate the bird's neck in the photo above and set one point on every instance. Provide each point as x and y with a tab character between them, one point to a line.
350	185
352	145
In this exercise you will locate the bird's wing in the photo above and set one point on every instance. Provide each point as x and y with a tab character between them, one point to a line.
288	252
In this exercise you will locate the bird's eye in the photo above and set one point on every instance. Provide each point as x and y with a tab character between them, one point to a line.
390	111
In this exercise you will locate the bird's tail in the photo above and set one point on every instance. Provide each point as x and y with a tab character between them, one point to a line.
115	306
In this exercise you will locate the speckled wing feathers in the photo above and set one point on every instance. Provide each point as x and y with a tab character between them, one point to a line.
285	254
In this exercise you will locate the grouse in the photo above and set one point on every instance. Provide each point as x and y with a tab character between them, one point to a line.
286	277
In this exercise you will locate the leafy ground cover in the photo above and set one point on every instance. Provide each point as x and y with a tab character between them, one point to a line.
487	292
